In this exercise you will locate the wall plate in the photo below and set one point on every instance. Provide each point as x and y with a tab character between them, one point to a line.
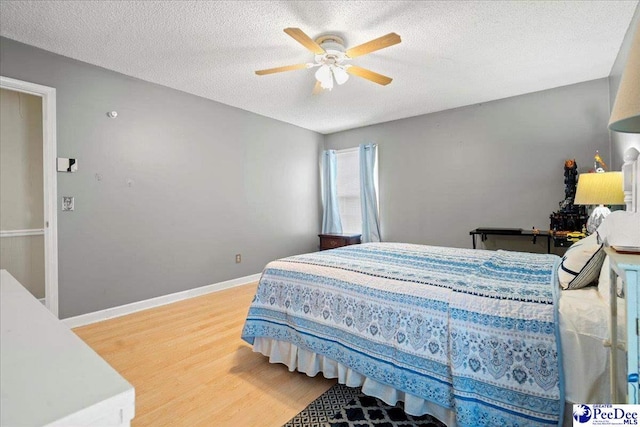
68	203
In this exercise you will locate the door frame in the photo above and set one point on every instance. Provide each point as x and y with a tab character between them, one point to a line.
50	187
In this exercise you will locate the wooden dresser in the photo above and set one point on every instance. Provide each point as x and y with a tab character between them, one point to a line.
332	241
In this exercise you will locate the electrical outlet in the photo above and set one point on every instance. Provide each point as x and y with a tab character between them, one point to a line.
238	258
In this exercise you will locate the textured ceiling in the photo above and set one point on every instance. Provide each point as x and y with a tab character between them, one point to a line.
452	53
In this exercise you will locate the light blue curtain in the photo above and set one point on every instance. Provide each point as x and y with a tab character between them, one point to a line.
331	211
368	196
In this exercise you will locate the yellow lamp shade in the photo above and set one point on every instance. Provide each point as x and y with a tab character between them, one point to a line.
603	188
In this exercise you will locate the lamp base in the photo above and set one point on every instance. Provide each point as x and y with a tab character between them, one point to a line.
596	217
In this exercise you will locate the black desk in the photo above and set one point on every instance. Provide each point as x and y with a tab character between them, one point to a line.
486	231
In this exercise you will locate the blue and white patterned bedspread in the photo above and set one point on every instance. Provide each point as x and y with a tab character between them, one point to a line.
471	330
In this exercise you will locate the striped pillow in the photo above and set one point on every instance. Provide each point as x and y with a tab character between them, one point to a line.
581	263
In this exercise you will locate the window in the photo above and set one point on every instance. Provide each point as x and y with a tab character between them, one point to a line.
348	189
343	207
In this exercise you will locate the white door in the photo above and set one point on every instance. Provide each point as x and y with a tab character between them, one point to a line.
28	215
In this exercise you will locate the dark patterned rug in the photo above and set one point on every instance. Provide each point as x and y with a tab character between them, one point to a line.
343	406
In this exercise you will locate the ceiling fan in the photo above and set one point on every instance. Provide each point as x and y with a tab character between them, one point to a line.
331	57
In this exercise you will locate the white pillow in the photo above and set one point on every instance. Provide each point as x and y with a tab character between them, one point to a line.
581	263
620	228
604	282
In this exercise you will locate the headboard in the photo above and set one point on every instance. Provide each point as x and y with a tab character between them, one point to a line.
631	180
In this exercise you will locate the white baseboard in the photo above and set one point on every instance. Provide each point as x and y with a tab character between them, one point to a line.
110	313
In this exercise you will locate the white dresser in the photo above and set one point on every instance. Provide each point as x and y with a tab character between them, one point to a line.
49	376
627	267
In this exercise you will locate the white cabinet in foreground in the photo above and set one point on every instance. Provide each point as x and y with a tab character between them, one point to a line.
49	376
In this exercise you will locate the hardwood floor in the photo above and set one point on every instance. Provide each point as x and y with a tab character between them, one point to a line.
190	368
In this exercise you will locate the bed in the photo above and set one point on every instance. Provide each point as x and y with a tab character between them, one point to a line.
472	337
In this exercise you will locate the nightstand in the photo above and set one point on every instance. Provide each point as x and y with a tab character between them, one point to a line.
332	241
627	267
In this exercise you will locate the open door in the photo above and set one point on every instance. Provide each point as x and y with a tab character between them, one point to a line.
28	215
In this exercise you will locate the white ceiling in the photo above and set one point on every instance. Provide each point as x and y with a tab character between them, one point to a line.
452	53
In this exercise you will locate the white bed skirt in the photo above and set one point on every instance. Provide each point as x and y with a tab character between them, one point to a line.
310	363
302	360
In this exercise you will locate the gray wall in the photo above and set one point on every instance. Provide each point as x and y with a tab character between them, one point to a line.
171	190
497	164
621	141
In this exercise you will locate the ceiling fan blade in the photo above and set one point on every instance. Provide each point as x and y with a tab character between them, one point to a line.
317	89
304	40
281	69
373	45
369	75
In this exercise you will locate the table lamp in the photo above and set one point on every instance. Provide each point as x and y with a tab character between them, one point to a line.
600	188
625	115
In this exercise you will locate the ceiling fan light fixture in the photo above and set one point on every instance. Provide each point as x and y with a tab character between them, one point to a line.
330	57
325	77
340	75
328	84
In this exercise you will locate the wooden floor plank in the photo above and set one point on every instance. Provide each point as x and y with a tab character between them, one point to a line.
190	368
